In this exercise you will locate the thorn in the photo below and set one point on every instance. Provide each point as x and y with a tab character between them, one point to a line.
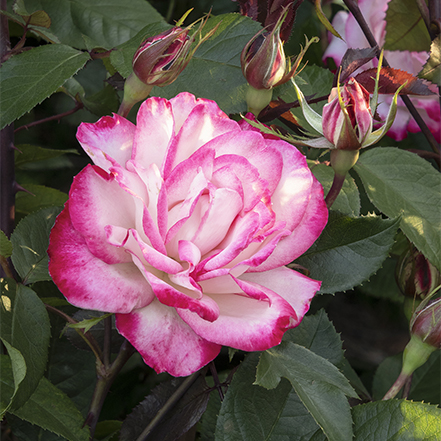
18	187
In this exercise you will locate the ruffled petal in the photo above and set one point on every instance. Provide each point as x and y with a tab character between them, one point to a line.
165	342
245	322
297	289
88	282
107	141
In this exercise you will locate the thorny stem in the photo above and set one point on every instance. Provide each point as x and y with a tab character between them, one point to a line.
87	337
355	10
78	105
180	391
107	340
216	380
105	379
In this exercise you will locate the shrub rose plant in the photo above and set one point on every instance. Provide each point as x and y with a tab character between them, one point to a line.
183	227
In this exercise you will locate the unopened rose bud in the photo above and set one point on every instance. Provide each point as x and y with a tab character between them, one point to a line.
263	60
160	59
347	118
416	276
427	324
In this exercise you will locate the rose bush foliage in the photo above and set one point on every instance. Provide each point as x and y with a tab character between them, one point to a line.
374	11
182	227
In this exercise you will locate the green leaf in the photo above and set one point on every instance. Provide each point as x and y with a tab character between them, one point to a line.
252	413
214	71
318	383
396	420
41	197
23	88
103	102
349	250
26	153
348	200
31	240
400	183
14	368
432	69
104	23
25	327
5	245
52	410
317	333
405	28
426	380
88	323
382	285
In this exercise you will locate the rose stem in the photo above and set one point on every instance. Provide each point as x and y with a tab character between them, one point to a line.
7	172
396	387
180	391
216	380
106	377
335	189
355	10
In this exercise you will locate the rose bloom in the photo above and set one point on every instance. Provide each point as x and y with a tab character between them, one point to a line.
374	11
182	229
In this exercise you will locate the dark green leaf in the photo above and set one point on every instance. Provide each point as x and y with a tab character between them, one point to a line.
50	409
178	420
317	333
318	383
382	284
5	245
103	102
41	197
26	153
23	88
349	250
252	413
105	23
432	69
31	240
12	368
215	72
401	183
405	28
348	200
25	327
396	420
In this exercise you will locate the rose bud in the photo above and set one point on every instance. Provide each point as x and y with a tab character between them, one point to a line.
265	66
347	118
160	59
416	276
158	62
427	324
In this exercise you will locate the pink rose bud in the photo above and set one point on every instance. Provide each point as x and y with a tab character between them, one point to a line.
263	60
347	118
415	275
427	324
160	59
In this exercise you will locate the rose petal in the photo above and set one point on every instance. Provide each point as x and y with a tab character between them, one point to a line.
244	322
88	282
165	342
107	141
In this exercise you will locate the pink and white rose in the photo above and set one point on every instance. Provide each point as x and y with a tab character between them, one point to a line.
183	227
374	11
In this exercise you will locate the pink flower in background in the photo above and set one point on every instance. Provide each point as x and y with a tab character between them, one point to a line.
182	229
374	12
